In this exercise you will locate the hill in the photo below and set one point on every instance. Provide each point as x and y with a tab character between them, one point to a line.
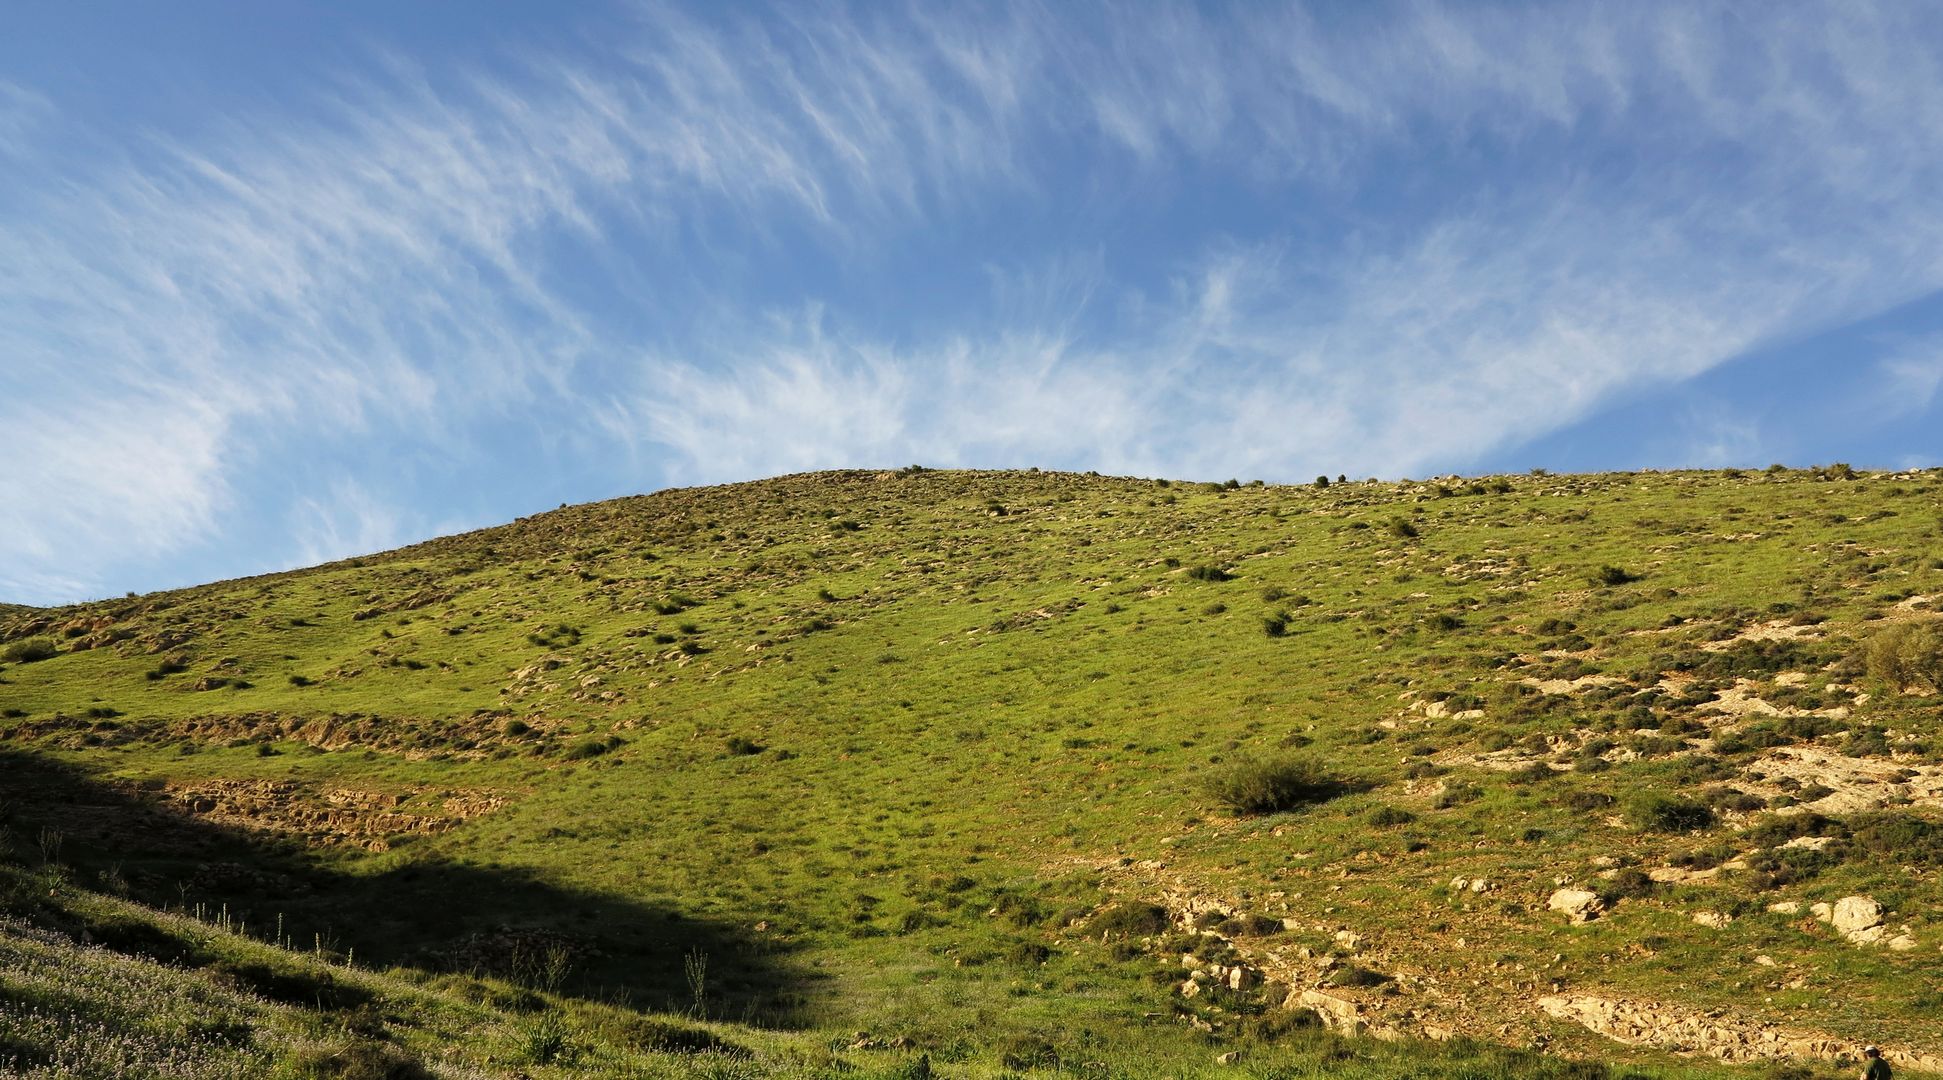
1022	769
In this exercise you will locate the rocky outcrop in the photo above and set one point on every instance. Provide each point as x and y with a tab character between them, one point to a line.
1723	1037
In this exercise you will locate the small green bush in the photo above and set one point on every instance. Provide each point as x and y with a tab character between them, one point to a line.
586	748
1908	655
1386	816
1210	573
358	1061
1668	813
1133	919
29	650
1614	575
1630	883
1890	837
664	1037
1357	976
1402	529
1273	785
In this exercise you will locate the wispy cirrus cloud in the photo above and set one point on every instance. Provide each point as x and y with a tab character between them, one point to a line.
713	246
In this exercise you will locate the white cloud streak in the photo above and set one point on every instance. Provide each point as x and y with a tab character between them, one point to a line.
1620	196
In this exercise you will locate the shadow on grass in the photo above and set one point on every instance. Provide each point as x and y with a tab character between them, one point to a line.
437	916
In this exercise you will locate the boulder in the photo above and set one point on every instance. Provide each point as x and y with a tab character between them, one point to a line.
1715	919
1578	905
1854	914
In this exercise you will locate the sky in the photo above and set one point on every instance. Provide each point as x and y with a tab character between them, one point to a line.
282	283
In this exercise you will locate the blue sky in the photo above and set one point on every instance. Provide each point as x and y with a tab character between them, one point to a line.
281	283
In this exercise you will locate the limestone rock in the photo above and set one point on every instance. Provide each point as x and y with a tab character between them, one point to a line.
1578	904
1855	914
1785	907
1715	919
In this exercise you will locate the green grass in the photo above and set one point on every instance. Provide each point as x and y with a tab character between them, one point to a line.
880	753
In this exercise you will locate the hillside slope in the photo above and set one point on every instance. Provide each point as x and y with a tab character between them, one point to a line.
920	752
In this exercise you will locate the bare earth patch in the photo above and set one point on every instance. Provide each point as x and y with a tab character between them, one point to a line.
330	816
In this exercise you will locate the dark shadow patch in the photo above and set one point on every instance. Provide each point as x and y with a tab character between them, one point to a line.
435	915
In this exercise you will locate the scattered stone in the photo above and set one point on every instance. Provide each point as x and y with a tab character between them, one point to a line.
1228	1058
1785	907
1240	978
1715	919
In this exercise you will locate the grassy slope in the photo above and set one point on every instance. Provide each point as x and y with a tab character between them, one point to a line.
984	704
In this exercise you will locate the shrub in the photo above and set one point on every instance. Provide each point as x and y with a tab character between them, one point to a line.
1132	919
1275	625
1908	656
1210	573
358	1061
28	650
664	1037
1630	883
1667	813
1402	529
291	985
1357	976
1613	575
1588	801
1386	816
1322	481
739	745
1248	925
1273	785
1902	839
1531	774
